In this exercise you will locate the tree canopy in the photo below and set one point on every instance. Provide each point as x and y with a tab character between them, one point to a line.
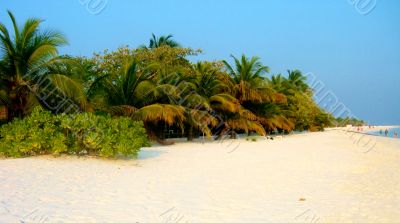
157	84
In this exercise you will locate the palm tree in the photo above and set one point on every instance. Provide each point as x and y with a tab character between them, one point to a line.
137	94
297	79
278	82
209	79
273	117
251	89
203	89
24	73
156	42
183	89
248	78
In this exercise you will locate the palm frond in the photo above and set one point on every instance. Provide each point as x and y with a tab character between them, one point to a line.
70	88
224	102
169	114
246	125
201	120
122	110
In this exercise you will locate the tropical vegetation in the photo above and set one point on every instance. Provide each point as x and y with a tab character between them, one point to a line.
157	84
343	122
43	133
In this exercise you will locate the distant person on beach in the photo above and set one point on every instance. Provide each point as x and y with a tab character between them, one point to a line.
395	135
386	132
380	132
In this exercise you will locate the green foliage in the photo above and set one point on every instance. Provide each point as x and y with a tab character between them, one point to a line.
86	133
25	52
343	122
157	84
35	134
300	107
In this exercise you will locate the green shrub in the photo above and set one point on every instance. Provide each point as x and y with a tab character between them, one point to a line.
86	133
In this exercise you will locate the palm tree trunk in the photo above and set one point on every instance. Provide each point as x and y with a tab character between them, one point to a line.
3	113
190	134
161	126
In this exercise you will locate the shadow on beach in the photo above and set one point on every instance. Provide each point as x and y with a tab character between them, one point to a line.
147	153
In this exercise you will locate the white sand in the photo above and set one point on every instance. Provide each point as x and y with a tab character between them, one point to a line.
308	178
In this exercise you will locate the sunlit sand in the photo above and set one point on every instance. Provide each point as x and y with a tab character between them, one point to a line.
323	176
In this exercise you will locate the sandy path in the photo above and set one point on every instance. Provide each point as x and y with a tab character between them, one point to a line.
308	178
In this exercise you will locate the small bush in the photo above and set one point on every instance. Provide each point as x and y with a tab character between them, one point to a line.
86	133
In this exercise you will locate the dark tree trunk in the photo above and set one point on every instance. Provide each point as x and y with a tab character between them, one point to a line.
190	134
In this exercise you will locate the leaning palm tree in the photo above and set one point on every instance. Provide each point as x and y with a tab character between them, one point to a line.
26	55
156	42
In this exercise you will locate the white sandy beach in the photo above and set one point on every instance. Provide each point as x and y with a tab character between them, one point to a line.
308	178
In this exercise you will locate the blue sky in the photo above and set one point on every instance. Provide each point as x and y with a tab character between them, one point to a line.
356	56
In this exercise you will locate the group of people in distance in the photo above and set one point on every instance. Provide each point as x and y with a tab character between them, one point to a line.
381	132
395	134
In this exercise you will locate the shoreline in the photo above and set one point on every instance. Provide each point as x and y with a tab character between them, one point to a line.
367	131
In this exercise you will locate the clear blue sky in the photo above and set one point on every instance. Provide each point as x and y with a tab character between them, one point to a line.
356	56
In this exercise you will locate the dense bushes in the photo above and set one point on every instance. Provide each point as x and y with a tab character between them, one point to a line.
86	133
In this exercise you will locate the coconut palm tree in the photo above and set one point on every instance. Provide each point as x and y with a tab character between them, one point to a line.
138	94
273	117
186	92
25	56
252	89
216	86
248	79
205	91
278	82
156	42
208	81
298	80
